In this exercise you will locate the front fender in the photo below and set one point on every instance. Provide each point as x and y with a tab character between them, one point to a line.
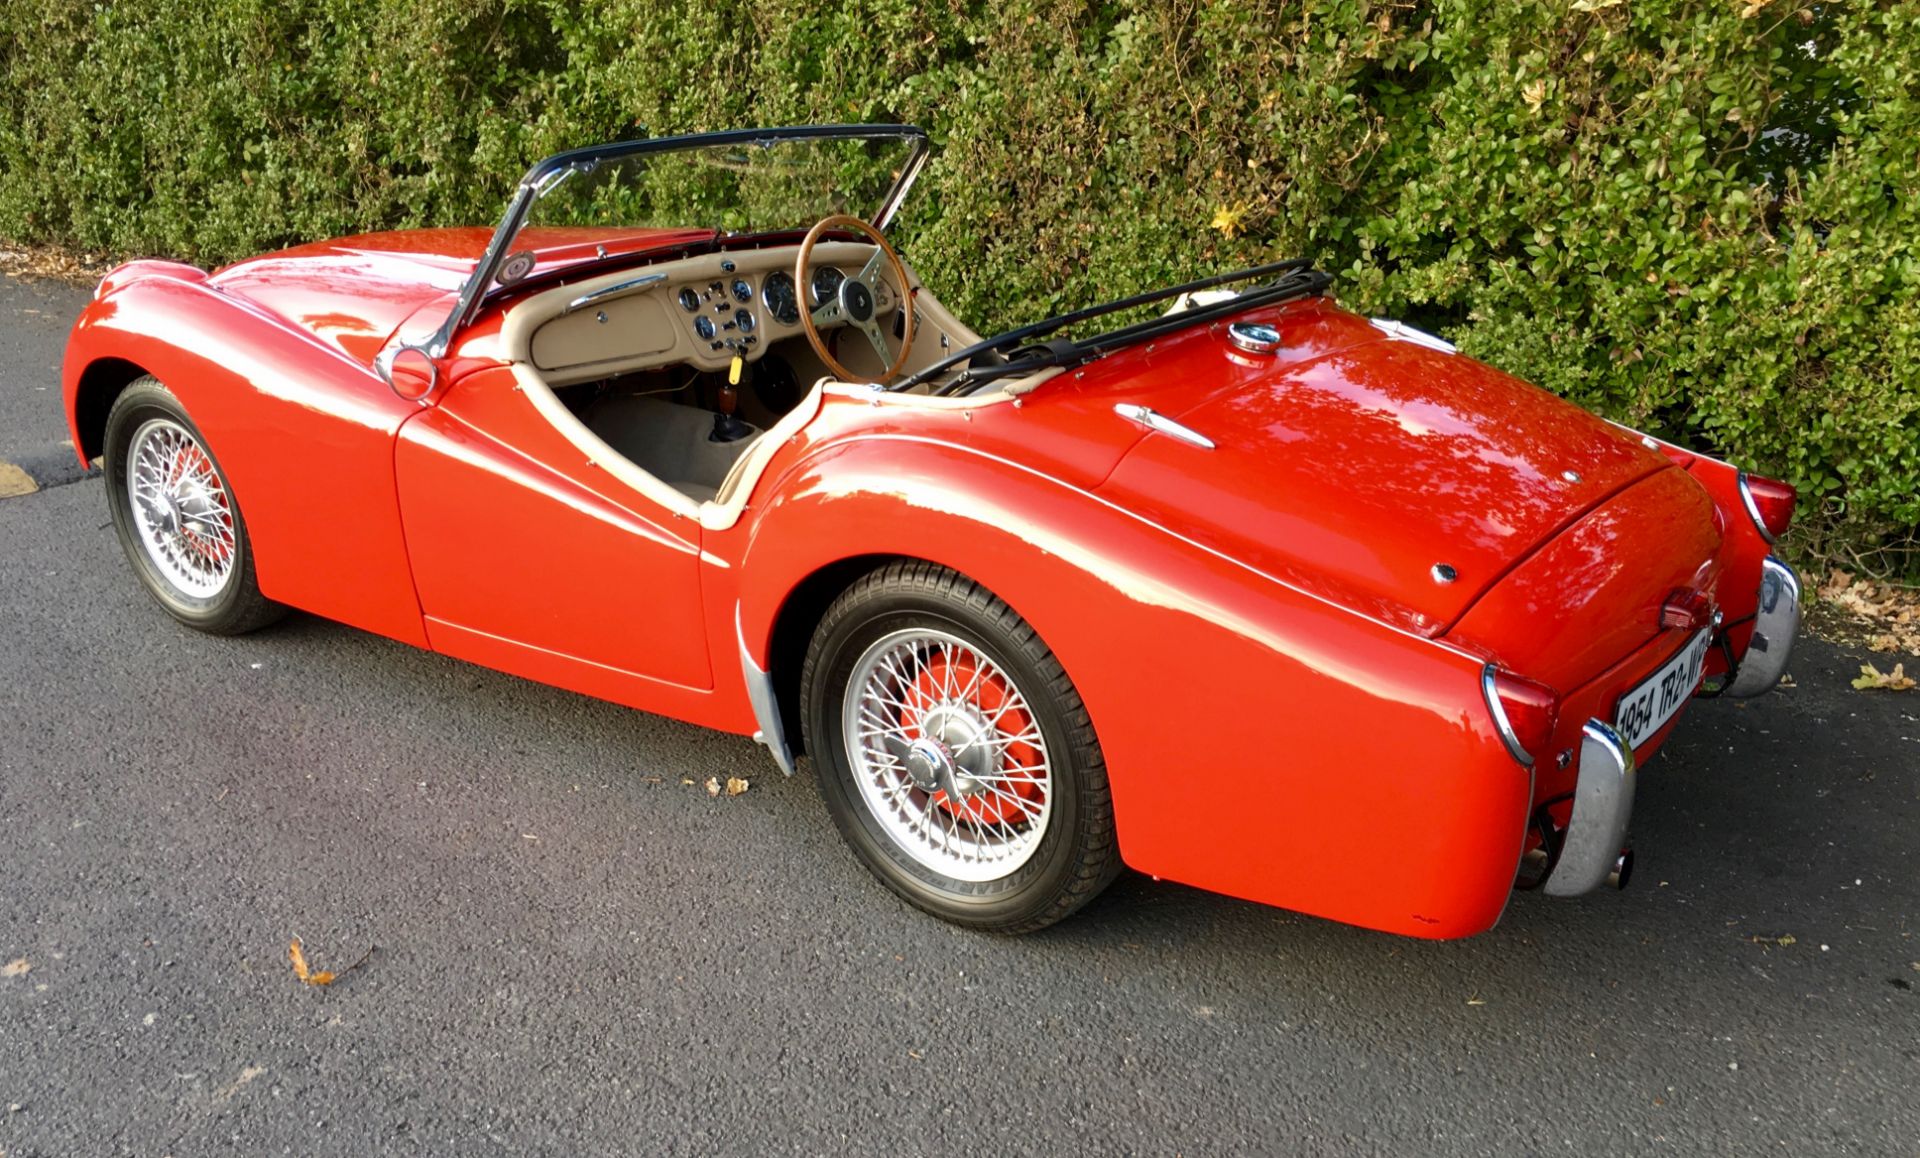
1259	742
304	434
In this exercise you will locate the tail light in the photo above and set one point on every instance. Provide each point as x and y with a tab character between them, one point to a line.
1769	502
1686	609
1523	712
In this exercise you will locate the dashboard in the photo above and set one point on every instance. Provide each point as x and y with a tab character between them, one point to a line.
702	311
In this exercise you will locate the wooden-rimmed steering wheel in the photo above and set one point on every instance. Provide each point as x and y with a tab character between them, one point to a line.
855	304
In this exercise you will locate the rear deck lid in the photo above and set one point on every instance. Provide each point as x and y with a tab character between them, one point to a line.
1354	474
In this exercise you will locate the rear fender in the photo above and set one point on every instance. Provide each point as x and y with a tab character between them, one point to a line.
304	434
1259	742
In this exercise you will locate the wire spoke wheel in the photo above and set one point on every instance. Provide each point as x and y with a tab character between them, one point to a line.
175	514
182	514
954	754
947	754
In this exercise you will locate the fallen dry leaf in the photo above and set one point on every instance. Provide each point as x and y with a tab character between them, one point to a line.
713	786
1476	1001
1783	940
48	262
1896	680
300	970
735	786
18	967
1892	613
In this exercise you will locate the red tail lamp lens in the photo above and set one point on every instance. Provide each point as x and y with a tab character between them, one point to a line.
1770	502
1524	713
1686	609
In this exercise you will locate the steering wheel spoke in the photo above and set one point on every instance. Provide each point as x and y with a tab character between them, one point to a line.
827	315
871	328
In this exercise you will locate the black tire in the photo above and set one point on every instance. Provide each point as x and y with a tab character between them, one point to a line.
237	606
1076	856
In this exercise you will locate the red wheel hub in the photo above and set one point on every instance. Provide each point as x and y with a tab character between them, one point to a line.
1017	763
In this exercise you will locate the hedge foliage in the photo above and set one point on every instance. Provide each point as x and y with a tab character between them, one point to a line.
1698	216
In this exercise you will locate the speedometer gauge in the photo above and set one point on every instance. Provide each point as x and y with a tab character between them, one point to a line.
783	305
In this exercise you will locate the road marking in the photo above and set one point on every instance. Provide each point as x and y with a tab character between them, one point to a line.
15	482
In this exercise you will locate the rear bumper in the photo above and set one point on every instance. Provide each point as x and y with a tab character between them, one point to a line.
1775	624
1593	843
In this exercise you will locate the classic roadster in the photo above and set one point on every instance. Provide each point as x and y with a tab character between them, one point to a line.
1220	582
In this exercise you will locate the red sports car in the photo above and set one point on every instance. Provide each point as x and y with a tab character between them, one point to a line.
1221	582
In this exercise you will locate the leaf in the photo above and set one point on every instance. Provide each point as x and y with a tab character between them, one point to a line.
1783	940
735	786
1896	680
300	969
299	958
1230	220
17	967
713	786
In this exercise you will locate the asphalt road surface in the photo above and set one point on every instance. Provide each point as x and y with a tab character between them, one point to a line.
579	952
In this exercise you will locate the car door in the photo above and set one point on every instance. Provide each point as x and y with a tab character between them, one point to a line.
529	559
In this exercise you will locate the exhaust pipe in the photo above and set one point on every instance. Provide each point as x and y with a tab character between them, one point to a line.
1622	869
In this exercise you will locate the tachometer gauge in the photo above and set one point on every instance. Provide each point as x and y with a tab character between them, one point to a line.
783	305
826	285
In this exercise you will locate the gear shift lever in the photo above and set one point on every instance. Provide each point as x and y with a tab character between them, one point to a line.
727	428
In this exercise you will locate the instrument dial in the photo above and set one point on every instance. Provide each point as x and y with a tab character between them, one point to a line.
745	320
742	292
703	326
826	285
689	299
783	305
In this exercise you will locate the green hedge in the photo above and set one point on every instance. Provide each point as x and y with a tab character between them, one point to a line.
1699	216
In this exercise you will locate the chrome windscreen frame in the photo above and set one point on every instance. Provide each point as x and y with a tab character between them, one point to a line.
558	167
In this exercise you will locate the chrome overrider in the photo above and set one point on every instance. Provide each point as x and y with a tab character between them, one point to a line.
1775	623
1592	850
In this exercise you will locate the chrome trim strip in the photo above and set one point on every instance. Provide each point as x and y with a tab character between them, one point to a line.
1602	806
1776	622
1499	713
1406	333
765	702
1753	508
1154	420
613	291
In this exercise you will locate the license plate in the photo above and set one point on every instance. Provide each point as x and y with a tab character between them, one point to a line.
1646	709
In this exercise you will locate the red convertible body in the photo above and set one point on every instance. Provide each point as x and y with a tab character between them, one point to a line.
1363	627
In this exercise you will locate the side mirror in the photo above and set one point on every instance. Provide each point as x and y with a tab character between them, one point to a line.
409	371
